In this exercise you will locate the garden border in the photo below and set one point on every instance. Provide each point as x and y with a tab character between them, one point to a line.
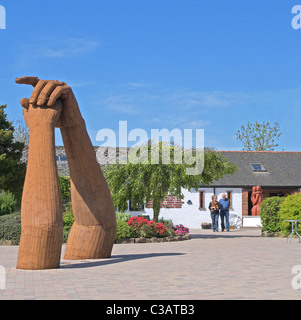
152	240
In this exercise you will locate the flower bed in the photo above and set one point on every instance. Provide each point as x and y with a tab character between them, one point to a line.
141	230
152	240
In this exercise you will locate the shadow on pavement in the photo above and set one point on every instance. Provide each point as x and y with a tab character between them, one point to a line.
218	235
215	236
115	259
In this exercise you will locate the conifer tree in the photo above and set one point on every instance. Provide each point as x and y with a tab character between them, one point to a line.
12	170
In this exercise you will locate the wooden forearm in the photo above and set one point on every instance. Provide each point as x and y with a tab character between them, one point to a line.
41	209
91	198
93	233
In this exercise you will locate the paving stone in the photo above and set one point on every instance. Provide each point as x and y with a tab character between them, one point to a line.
236	265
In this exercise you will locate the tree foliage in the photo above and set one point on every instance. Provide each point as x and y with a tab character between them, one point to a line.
12	170
290	209
259	136
269	214
65	187
143	182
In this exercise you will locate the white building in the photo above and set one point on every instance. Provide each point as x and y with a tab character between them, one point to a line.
278	173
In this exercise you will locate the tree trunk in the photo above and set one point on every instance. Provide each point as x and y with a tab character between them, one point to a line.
156	208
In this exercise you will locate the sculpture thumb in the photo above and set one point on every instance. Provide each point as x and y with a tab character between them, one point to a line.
25	103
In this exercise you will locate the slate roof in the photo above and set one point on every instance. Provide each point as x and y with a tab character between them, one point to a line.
283	169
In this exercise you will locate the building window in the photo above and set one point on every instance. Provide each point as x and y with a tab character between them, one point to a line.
139	207
229	196
257	167
202	200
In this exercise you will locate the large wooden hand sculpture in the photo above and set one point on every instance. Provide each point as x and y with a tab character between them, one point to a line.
93	233
42	222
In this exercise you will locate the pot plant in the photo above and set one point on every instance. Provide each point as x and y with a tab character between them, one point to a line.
206	225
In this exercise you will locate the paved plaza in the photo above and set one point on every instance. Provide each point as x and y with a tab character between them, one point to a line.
236	265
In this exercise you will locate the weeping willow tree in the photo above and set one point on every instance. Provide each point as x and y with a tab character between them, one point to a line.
143	181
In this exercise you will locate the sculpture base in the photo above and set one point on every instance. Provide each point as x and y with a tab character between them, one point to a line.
40	248
89	242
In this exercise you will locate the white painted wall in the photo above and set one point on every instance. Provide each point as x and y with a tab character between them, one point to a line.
190	215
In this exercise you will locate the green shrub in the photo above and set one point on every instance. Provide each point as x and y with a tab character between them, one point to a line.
269	214
148	231
68	220
65	235
170	232
124	231
10	228
67	207
168	223
290	209
123	216
65	191
8	203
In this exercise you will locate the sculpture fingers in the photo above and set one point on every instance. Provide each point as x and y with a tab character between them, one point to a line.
47	91
58	92
28	80
36	91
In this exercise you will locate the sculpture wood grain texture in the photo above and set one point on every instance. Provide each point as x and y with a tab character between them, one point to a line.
41	208
93	234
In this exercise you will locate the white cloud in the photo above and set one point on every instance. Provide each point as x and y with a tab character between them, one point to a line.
53	48
181	121
215	99
182	109
121	103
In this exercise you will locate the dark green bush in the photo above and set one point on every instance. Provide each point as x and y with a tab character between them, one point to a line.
8	203
10	228
290	209
65	191
124	231
269	214
65	235
68	220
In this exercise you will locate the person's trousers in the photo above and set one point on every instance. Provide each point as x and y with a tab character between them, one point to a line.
214	218
225	217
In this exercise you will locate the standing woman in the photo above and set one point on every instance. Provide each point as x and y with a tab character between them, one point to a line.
214	209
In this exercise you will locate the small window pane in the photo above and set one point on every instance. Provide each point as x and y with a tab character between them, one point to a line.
257	167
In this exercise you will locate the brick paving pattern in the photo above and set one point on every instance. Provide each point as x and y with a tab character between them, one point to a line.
236	265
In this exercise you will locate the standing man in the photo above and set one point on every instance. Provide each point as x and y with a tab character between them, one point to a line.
224	212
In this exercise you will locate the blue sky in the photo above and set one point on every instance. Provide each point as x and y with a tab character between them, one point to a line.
187	64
